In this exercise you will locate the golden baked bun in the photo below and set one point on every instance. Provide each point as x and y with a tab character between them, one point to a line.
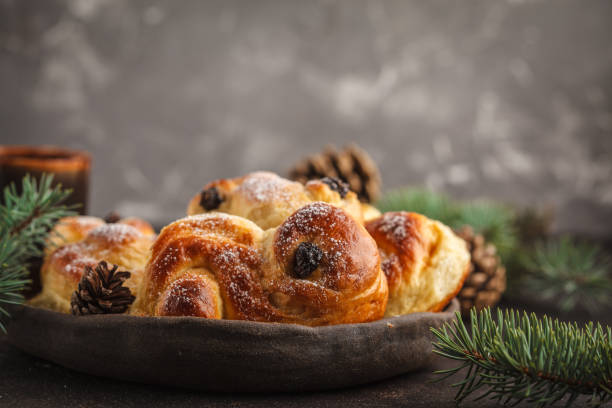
424	261
70	229
267	199
318	267
125	243
369	212
75	228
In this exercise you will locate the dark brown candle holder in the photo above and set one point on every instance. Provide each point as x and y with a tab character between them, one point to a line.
70	168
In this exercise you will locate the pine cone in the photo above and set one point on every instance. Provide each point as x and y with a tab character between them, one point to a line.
351	165
100	291
487	279
534	224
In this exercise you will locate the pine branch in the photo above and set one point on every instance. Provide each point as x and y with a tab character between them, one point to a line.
516	358
25	220
572	274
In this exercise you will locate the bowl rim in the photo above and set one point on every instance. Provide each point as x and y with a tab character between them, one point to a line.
205	354
449	311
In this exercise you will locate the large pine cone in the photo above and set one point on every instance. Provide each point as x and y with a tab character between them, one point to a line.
101	291
352	165
486	282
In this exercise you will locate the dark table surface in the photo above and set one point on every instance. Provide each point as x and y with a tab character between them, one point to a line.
27	381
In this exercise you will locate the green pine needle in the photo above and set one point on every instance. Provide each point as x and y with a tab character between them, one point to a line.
519	357
25	220
569	273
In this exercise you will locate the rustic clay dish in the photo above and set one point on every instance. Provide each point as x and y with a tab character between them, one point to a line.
225	355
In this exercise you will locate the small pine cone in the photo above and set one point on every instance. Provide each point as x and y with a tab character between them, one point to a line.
352	165
534	224
101	291
486	281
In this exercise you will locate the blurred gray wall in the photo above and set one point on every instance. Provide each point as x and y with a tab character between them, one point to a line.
504	99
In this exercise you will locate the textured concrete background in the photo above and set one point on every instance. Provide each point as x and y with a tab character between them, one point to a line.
504	99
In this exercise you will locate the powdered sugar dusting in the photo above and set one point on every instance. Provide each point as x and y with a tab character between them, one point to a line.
206	223
74	258
170	257
264	187
303	218
206	216
115	233
84	221
318	221
301	223
394	226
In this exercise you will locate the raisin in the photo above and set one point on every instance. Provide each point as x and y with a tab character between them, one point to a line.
210	199
337	185
307	259
112	217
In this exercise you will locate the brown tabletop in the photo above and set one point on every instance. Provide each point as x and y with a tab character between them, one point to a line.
27	381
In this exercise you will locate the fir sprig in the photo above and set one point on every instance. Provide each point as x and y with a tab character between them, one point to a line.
569	273
25	220
519	357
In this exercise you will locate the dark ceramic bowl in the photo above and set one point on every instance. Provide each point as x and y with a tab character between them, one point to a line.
226	355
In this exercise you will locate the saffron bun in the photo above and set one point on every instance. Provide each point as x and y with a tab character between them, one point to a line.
424	261
77	242
70	229
268	200
75	228
318	266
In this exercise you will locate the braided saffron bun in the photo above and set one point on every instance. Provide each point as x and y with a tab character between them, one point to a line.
424	261
77	242
267	199
318	267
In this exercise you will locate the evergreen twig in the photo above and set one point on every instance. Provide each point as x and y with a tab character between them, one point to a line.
569	273
519	357
25	220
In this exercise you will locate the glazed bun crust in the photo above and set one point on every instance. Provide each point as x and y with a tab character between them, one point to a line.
424	261
346	287
216	265
267	199
84	244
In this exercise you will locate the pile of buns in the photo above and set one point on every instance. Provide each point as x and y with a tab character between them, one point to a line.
267	249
